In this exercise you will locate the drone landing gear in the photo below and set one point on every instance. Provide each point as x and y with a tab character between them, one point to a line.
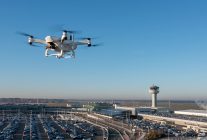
73	54
58	55
61	54
46	52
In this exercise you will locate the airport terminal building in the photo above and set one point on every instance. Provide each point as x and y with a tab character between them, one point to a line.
192	112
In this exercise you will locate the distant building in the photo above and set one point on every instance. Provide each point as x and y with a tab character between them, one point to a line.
150	110
144	110
163	110
115	113
74	105
132	109
97	106
154	90
201	113
137	110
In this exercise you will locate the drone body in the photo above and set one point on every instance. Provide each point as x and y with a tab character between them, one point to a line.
64	46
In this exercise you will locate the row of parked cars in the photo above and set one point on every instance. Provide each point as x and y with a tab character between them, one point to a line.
30	130
1	123
78	129
9	131
165	129
52	132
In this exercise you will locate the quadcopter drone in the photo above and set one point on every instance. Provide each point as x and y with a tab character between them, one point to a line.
64	46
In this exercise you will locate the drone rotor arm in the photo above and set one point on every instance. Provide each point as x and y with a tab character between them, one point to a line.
83	42
38	41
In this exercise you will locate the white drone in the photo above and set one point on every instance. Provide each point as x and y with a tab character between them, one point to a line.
63	47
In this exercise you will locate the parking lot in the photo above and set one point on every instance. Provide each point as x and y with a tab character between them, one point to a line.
79	129
50	127
24	127
166	130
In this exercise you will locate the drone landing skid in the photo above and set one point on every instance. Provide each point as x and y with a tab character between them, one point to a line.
67	57
58	55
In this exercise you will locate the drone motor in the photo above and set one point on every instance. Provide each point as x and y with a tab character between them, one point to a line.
64	36
30	40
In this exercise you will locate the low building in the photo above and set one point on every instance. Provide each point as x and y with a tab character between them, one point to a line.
144	110
163	110
115	113
132	109
192	112
137	110
97	106
153	110
74	105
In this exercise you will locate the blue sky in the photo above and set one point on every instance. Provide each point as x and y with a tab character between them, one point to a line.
145	42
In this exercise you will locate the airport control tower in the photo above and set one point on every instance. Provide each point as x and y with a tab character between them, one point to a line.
154	90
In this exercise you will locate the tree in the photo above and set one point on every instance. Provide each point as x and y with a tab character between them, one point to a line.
152	135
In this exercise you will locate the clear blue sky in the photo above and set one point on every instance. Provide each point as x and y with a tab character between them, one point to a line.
145	42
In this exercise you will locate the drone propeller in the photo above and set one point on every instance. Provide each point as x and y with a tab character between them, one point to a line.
70	31
25	34
96	45
85	38
89	38
30	38
35	45
91	45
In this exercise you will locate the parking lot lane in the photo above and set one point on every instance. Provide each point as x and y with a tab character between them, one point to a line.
3	126
65	134
41	133
19	134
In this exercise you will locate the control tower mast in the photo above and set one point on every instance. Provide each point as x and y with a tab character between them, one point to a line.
154	90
